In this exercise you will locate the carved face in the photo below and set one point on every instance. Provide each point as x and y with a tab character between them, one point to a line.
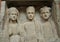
45	13
13	13
30	12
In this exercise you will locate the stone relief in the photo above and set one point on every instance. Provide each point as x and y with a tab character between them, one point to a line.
48	26
12	25
32	30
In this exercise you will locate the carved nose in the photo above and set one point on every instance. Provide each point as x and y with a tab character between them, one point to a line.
45	15
14	17
30	15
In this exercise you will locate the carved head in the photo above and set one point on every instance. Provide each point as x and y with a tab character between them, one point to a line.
45	12
30	12
13	13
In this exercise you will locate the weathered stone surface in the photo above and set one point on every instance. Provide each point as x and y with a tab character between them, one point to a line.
3	5
2	13
15	38
29	31
58	17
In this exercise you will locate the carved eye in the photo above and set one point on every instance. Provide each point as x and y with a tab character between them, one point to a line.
28	12
12	14
15	14
32	13
47	12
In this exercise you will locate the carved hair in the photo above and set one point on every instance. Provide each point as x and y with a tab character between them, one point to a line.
13	9
30	8
45	8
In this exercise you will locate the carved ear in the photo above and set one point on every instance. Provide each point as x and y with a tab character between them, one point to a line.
49	8
17	12
41	10
8	12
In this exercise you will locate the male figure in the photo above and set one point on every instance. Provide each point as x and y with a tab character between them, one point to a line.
48	26
12	25
30	26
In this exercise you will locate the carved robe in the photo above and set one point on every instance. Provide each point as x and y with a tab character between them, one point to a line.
32	32
12	32
49	31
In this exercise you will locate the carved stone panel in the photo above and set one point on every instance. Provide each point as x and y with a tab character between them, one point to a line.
28	21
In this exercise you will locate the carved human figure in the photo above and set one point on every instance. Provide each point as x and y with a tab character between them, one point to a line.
48	26
12	26
31	26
